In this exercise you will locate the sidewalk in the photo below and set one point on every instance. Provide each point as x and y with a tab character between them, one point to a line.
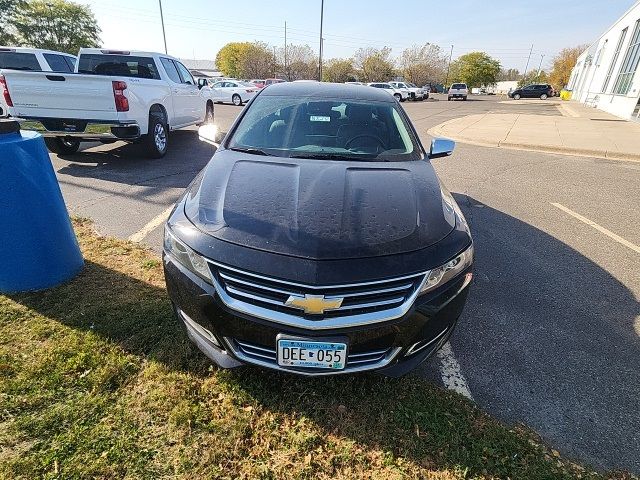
578	131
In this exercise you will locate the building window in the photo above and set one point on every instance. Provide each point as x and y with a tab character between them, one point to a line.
614	60
629	64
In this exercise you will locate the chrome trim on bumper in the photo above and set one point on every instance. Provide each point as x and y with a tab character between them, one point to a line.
92	130
268	361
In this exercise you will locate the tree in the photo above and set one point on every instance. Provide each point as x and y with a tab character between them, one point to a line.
301	62
258	61
563	63
230	58
509	75
338	70
422	64
56	25
475	69
374	64
8	11
534	77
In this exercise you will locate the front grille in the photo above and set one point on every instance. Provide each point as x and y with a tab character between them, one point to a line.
358	361
273	294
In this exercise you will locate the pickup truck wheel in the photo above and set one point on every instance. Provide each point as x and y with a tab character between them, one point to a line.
157	140
237	100
62	146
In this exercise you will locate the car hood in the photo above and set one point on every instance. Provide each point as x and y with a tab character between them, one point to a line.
319	209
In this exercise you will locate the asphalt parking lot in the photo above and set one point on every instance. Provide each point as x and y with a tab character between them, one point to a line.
551	334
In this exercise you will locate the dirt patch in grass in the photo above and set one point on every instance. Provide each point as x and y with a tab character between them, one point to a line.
98	380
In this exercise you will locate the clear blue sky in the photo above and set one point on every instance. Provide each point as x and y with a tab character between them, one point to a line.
504	29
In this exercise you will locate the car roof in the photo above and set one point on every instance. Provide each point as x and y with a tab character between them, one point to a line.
34	50
328	90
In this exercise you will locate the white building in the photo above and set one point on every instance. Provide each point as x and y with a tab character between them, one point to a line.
606	75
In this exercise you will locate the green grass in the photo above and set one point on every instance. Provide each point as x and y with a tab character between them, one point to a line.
97	380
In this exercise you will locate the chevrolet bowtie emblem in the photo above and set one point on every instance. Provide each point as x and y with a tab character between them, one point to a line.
314	304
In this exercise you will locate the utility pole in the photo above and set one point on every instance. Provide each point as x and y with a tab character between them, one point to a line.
164	35
275	63
320	57
446	82
539	67
286	72
528	60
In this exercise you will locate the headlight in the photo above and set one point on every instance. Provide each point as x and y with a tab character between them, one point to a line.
186	256
442	274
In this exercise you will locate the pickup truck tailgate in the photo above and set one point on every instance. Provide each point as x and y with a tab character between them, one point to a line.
68	95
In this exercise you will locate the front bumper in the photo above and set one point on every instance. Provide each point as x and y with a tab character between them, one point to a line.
392	347
85	129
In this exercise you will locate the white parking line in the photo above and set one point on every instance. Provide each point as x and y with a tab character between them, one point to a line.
451	373
601	229
148	228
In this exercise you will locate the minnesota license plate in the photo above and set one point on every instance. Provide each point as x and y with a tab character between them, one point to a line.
309	354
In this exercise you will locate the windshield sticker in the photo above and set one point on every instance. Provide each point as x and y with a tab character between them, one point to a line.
318	118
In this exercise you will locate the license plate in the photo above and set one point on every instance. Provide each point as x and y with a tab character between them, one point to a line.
309	354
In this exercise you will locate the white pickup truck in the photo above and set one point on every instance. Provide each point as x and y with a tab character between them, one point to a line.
35	60
112	95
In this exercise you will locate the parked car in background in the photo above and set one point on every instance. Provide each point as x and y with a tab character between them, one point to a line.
536	90
113	95
458	90
258	83
261	272
414	92
400	95
233	91
425	93
207	81
353	83
34	60
271	81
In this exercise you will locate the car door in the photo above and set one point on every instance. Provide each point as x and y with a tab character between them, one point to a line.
529	91
229	90
178	93
217	92
195	103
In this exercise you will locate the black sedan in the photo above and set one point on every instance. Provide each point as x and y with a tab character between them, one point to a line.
319	240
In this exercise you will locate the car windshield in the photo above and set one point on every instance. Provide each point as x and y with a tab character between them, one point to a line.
332	129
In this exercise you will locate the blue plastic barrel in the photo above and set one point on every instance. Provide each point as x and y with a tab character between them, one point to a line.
38	247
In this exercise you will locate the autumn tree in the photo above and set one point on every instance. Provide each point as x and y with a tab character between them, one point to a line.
563	64
421	64
374	64
475	69
56	25
338	70
258	61
299	63
230	58
534	77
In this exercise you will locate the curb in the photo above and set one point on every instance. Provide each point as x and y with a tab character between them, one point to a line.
437	131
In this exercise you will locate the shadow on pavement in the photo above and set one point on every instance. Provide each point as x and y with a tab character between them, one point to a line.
547	338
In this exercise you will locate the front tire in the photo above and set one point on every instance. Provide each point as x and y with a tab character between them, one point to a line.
156	141
516	96
237	100
62	146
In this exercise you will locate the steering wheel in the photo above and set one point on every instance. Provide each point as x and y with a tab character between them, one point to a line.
365	135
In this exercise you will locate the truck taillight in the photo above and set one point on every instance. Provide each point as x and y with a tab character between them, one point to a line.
122	102
5	91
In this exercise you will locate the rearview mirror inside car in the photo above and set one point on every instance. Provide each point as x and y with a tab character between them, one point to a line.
209	133
441	147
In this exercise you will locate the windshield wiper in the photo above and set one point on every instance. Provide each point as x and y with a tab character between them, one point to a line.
251	150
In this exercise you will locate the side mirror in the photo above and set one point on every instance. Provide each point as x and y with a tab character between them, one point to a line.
209	133
441	147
